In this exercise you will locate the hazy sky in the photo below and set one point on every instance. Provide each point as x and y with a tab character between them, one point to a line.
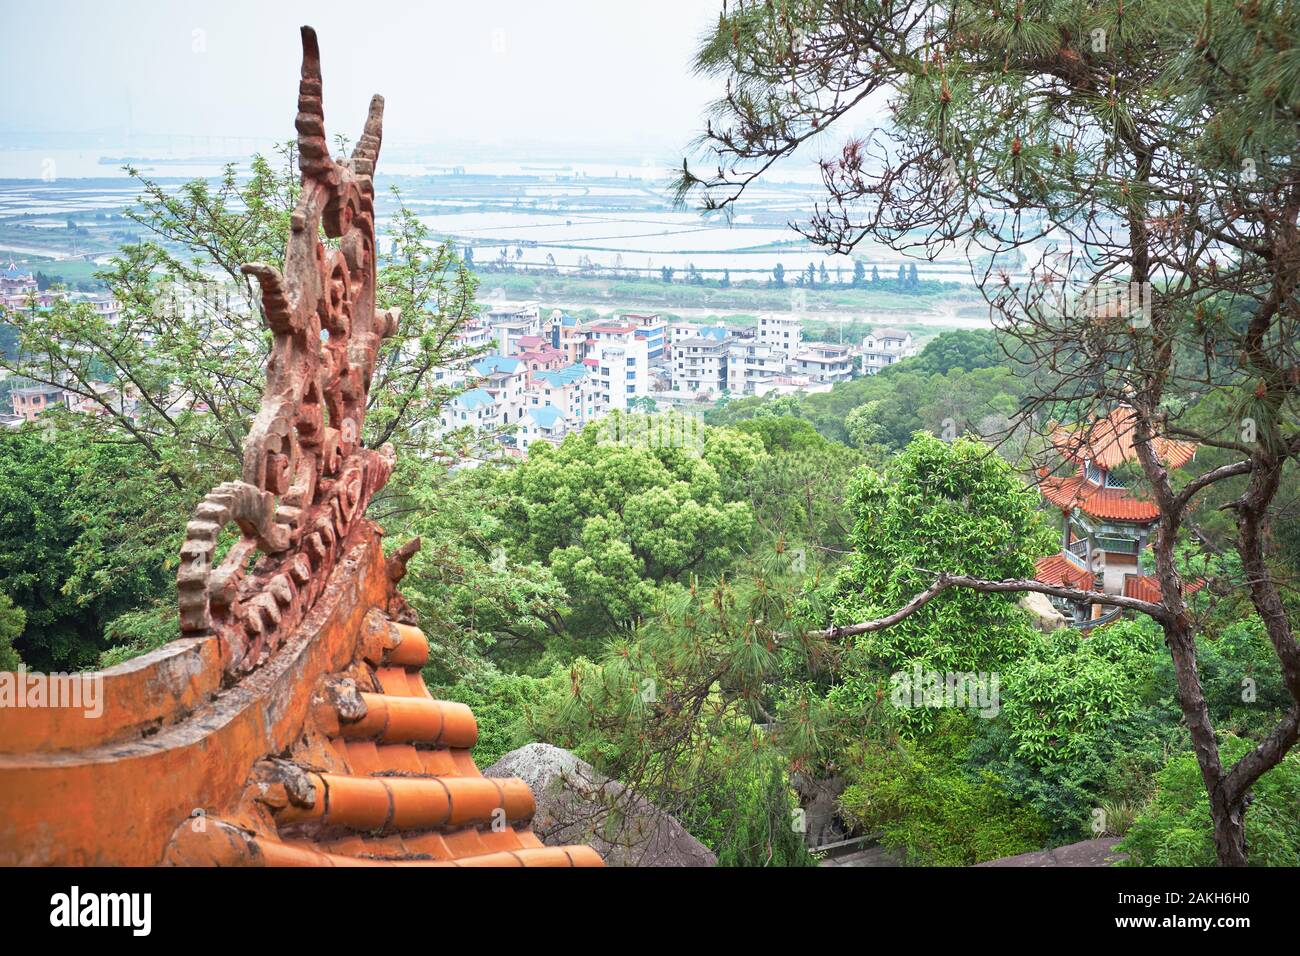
609	73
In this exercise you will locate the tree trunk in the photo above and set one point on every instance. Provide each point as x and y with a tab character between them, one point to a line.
1229	832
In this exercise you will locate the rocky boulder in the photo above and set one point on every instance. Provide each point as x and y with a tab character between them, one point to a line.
577	804
1043	612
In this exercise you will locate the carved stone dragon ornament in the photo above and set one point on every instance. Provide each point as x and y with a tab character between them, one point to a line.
306	476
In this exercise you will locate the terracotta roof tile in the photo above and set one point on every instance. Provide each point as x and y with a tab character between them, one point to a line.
1107	504
1061	571
1145	587
1108	441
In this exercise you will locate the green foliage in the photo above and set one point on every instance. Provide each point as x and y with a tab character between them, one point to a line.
140	631
954	507
83	534
615	521
926	802
12	621
1068	692
1175	828
747	817
504	706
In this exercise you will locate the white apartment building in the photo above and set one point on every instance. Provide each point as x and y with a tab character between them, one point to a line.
573	390
700	365
750	363
824	362
622	373
544	423
779	331
504	379
509	325
885	346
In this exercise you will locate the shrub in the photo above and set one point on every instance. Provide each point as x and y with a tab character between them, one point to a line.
1175	829
926	802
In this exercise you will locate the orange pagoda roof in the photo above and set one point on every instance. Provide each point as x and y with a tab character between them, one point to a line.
1061	571
289	725
1144	587
1108	442
1105	504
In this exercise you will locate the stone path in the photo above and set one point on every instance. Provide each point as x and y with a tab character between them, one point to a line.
1085	853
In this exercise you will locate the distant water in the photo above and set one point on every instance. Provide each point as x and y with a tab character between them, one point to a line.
106	163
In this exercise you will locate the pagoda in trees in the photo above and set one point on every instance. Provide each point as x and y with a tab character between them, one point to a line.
1104	525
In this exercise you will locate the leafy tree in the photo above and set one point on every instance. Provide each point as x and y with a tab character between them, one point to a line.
859	271
83	538
943	505
615	520
1166	159
12	621
1174	829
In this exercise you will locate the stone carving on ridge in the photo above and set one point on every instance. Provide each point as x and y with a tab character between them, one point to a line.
306	476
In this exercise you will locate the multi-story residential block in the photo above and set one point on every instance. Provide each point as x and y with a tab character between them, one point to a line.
823	362
511	325
474	408
622	373
779	331
700	365
572	390
681	331
544	423
750	363
31	402
883	347
652	328
504	378
569	336
543	359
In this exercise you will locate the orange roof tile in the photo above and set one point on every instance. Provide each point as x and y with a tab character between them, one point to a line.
1108	441
1061	571
1106	504
1145	587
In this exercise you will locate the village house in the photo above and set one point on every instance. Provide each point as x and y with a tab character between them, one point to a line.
824	362
544	423
883	347
700	365
31	402
504	378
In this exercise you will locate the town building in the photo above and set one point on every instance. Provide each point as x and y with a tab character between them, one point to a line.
569	336
572	389
885	346
780	332
622	374
653	330
823	362
700	365
16	281
31	402
544	423
751	363
504	378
